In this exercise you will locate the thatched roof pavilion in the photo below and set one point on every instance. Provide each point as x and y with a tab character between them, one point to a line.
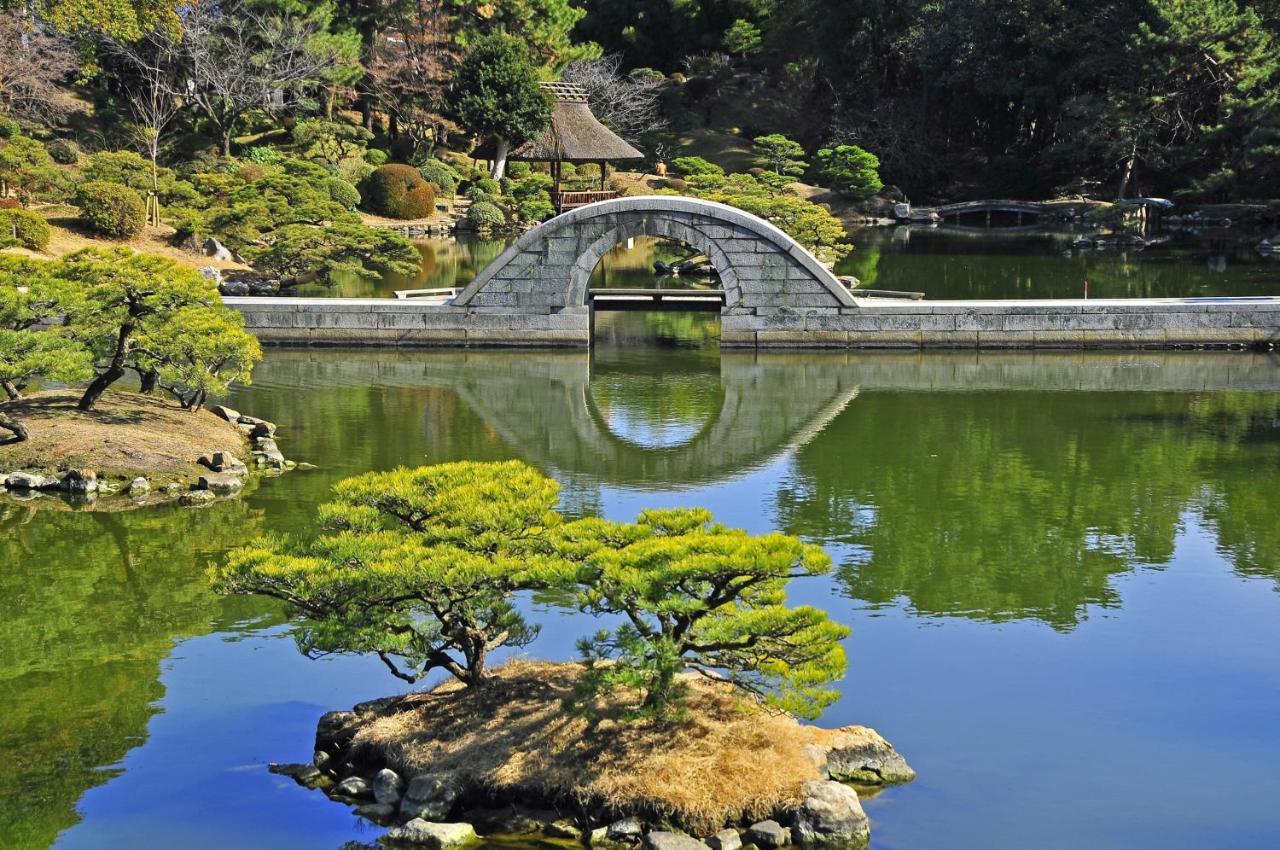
574	135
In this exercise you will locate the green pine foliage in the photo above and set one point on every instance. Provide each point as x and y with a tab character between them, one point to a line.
495	93
416	566
95	314
777	153
850	170
485	214
419	567
693	166
696	596
27	170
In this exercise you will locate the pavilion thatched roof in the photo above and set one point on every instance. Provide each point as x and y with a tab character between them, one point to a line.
574	134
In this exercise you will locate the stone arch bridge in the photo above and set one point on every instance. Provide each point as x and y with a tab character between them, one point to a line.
775	294
548	268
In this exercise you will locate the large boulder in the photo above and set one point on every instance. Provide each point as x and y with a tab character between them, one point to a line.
224	462
30	481
356	787
830	813
436	836
725	839
215	249
768	834
196	498
628	829
234	288
430	796
387	786
658	840
220	482
79	482
223	412
335	730
859	754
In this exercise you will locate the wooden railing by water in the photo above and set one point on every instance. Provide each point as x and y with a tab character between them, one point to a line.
572	200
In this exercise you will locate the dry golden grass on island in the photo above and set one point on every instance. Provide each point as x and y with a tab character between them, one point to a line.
506	758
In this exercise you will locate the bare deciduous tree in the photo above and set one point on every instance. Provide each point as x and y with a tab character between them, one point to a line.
626	103
33	62
410	66
240	59
154	96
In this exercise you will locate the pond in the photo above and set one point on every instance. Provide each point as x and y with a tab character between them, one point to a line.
942	262
1061	572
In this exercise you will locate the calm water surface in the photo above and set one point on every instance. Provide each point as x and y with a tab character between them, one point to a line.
944	263
1061	573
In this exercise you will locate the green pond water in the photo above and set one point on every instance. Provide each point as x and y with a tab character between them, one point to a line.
943	263
1061	572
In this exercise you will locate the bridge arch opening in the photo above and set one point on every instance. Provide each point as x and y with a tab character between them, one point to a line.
655	293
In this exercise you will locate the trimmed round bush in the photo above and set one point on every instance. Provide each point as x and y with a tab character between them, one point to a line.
485	184
519	170
24	228
688	166
398	191
486	214
111	209
476	193
62	152
343	193
441	175
376	156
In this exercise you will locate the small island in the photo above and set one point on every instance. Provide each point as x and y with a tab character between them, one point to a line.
506	759
678	724
92	318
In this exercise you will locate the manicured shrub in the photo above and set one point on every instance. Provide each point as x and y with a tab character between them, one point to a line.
25	228
476	193
688	166
111	209
486	214
10	204
62	152
519	170
9	127
398	191
505	185
375	157
343	192
440	174
264	155
487	185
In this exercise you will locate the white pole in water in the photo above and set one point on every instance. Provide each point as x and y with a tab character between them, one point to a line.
1086	289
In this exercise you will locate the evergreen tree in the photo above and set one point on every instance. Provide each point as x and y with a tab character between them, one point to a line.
701	597
496	95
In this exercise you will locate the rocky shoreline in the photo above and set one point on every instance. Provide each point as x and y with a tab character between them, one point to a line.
443	807
224	475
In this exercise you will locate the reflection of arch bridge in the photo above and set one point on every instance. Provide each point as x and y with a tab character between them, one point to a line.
540	405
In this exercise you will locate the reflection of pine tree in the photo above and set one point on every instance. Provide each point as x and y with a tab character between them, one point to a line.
91	603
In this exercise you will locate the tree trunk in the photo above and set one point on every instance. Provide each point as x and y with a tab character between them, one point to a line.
1128	173
226	143
149	379
501	149
11	390
16	427
113	372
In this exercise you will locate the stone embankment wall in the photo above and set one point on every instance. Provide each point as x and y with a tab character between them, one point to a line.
1111	323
